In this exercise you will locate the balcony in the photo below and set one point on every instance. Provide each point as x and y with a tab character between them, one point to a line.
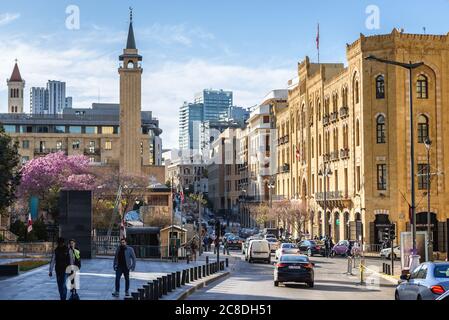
334	199
326	157
344	153
326	120
45	151
344	112
334	116
92	151
284	169
334	156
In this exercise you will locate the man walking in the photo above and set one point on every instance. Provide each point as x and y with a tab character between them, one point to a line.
75	266
59	262
124	262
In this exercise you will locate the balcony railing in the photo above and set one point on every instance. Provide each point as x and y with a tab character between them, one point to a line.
334	156
326	157
334	116
326	120
92	151
48	150
344	112
344	153
284	169
330	195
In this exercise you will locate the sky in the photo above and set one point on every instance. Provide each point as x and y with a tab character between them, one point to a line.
249	47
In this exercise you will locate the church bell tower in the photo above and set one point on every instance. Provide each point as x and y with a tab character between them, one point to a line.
15	91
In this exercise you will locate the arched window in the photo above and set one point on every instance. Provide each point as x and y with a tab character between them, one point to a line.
130	65
380	129
422	87
423	128
357	133
380	87
356	91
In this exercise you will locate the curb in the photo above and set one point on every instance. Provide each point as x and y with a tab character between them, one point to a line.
201	285
389	278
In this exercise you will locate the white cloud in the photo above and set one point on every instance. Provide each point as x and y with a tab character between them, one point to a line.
7	18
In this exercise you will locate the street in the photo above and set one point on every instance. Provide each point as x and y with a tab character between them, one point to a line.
255	282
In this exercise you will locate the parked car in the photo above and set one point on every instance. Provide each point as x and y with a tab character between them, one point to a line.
286	248
386	253
274	244
341	248
294	268
228	234
312	247
235	242
258	250
427	282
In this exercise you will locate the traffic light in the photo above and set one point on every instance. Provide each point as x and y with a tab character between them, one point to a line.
386	234
392	233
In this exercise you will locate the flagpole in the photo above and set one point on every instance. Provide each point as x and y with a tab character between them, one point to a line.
318	43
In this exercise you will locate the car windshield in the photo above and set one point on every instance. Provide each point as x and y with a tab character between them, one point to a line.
441	271
291	258
343	243
289	246
271	240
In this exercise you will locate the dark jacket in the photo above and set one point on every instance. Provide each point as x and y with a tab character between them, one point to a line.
60	260
130	258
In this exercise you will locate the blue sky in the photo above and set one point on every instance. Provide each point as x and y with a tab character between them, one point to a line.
249	46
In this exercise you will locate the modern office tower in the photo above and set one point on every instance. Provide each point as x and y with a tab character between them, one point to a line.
217	104
190	120
56	96
239	115
68	102
38	100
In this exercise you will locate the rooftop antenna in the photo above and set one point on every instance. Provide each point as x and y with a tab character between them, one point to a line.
130	14
424	29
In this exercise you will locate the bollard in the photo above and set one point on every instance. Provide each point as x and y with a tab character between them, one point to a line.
141	292
146	288
222	265
161	287
169	283
207	260
151	286
178	279
191	275
135	295
173	281
156	289
204	271
164	285
208	269
195	273
227	262
188	259
187	275
200	275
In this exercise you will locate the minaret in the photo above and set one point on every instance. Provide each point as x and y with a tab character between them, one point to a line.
130	106
15	91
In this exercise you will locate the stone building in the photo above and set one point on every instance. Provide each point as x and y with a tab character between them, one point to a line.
350	125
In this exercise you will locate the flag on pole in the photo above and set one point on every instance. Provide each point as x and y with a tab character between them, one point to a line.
30	224
318	42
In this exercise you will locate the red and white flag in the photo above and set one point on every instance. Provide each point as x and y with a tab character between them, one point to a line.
30	224
298	154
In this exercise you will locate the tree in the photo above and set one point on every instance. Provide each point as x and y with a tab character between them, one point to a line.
293	215
45	177
9	173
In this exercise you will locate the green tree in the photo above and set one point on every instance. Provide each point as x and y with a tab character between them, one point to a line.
9	170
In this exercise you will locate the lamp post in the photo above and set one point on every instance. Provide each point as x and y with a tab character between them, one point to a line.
271	186
325	172
428	145
414	261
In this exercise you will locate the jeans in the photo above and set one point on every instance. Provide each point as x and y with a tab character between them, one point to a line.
118	275
62	288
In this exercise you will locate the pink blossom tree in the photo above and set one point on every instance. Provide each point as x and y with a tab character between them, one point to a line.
45	177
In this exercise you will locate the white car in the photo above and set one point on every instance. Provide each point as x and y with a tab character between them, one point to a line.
286	248
258	250
386	253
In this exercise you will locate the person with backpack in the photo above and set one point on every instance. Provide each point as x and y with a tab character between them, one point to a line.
59	262
75	266
124	262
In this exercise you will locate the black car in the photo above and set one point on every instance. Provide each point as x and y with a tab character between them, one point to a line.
235	242
294	268
312	247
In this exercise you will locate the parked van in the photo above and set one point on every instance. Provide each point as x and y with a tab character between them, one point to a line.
258	250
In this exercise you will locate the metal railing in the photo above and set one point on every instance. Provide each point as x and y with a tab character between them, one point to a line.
344	112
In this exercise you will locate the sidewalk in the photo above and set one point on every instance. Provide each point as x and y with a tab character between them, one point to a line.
97	279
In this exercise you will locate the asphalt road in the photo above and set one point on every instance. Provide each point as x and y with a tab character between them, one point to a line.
255	282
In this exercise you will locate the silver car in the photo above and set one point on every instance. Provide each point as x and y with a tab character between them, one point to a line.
427	282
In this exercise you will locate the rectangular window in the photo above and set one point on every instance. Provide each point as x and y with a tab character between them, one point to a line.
59	129
346	183
59	145
91	146
336	180
25	159
91	130
381	177
107	130
10	128
92	159
266	119
25	144
76	145
358	183
108	145
74	129
42	129
422	176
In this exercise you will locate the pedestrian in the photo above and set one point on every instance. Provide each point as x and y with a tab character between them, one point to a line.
59	262
75	266
193	249
225	246
124	262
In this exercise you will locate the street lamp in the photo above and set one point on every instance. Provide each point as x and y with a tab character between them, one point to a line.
271	185
410	67
325	172
428	145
